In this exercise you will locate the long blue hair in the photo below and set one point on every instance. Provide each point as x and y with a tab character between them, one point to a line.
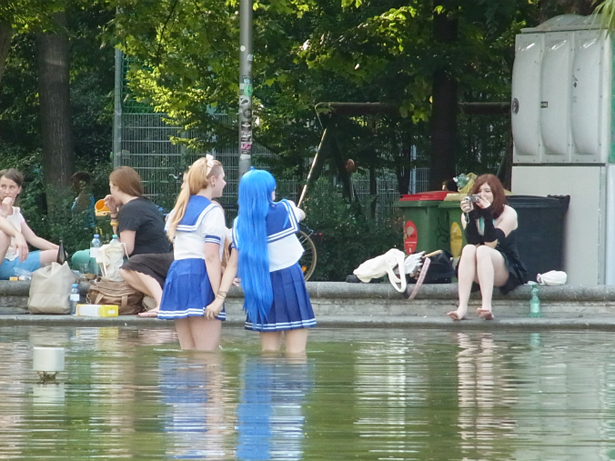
255	198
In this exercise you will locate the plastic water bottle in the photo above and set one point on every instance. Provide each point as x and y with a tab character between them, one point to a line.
534	303
95	244
114	239
74	298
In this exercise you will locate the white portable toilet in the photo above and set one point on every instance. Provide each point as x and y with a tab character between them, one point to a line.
562	105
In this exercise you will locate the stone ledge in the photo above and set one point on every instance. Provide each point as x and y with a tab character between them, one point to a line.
384	290
381	300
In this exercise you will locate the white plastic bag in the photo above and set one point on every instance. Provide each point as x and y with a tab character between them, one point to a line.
552	278
412	264
110	258
383	265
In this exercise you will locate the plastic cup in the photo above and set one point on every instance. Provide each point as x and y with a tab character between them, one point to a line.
101	208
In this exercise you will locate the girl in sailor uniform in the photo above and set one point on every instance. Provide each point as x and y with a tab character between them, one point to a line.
197	227
266	251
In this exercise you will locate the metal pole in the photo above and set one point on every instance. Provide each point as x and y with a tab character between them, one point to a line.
117	113
245	86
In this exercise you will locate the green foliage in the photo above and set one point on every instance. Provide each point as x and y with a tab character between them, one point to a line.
73	229
606	10
92	106
310	51
344	235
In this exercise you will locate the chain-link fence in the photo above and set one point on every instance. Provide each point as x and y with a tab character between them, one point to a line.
146	145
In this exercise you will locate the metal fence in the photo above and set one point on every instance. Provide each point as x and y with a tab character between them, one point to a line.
145	141
146	146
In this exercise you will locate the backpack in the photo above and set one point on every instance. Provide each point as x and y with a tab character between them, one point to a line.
106	291
440	269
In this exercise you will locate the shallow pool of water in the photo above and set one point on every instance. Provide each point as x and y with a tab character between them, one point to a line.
369	394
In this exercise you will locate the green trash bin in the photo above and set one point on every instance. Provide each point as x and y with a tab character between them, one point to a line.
425	222
456	235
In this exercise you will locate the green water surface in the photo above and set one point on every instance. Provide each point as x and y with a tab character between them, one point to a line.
367	394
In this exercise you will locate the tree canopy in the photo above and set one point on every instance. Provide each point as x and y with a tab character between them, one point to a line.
311	51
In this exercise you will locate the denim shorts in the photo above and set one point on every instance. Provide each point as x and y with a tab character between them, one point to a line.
15	267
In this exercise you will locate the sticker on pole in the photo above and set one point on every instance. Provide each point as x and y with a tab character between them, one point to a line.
411	237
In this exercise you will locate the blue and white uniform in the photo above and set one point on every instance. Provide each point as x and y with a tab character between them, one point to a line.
187	289
291	308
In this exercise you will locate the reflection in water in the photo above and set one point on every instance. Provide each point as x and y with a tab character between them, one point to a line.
369	394
270	413
483	393
191	387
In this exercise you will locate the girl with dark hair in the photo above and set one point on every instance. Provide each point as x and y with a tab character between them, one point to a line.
197	226
266	251
490	257
14	261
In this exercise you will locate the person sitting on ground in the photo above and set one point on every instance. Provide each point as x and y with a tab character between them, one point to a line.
140	226
16	259
490	257
84	201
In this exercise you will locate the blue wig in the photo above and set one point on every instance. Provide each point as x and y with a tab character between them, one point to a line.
255	198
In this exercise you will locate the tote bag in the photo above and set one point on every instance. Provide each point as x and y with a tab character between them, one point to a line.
50	288
383	265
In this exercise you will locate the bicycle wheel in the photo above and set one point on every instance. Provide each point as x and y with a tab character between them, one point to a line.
309	258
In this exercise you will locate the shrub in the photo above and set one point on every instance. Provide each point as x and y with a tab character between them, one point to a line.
345	233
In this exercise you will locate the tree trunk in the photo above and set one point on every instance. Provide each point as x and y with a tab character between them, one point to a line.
443	125
5	44
54	98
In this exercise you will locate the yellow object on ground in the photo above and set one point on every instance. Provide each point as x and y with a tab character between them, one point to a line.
98	310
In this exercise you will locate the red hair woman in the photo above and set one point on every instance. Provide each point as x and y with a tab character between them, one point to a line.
490	257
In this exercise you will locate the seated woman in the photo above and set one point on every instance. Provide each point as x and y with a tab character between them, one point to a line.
15	259
490	257
140	226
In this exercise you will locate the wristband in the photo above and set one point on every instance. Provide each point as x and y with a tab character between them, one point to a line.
489	234
486	213
472	215
472	235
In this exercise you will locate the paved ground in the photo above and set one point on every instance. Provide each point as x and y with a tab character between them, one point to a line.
374	305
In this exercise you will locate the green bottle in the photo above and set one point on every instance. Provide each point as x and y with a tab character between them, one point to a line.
534	303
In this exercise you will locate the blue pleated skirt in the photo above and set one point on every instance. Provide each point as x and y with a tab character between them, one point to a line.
291	308
187	291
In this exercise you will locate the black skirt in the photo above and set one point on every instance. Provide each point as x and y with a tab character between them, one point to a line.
155	265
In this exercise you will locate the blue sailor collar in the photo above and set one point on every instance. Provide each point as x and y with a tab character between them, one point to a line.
281	221
198	206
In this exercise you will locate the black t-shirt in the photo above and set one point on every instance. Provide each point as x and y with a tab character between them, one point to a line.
141	216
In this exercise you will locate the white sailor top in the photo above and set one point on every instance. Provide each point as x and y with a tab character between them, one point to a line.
282	243
203	222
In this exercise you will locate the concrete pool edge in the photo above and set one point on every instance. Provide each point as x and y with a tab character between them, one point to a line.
379	305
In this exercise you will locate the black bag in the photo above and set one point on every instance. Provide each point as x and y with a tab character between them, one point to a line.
440	269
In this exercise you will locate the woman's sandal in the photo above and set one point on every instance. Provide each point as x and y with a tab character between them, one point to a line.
455	316
485	314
